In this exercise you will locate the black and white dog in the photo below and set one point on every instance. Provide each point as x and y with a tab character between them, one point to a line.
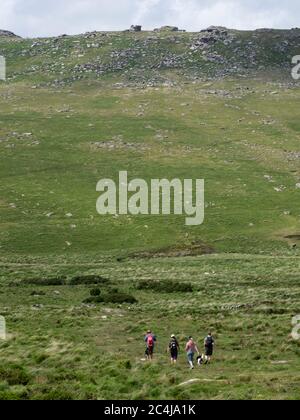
200	360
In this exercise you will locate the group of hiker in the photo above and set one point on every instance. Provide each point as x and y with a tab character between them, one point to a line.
191	349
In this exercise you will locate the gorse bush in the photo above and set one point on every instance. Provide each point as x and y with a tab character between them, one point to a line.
165	286
95	292
37	293
116	297
93	299
14	375
119	298
62	281
55	281
89	280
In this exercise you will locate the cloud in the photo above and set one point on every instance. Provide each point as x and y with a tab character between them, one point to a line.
54	17
145	7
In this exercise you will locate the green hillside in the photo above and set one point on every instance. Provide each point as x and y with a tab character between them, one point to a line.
65	124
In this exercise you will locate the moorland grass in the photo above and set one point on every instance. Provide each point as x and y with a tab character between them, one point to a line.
69	350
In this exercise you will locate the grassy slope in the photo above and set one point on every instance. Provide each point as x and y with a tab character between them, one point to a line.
232	140
183	133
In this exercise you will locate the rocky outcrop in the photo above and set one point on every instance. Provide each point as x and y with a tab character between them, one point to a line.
215	29
210	36
8	34
167	29
140	59
135	28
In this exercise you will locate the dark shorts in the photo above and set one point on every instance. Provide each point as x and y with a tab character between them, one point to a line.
149	351
209	351
174	354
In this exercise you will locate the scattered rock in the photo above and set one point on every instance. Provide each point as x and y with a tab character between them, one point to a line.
214	52
37	307
119	144
268	178
293	156
190	382
214	58
280	362
280	189
205	380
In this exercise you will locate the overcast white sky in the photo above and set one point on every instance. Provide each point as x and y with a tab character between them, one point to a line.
30	18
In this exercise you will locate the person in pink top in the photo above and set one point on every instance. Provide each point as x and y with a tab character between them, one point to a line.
150	340
191	348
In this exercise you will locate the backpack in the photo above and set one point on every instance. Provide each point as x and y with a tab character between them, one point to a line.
150	341
173	345
209	341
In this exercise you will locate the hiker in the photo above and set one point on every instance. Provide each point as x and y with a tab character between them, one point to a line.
191	348
150	341
209	344
173	348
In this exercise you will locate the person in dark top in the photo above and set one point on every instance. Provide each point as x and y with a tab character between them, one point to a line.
173	349
209	344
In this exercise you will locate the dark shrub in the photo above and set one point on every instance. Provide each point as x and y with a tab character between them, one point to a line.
165	286
94	299
112	290
39	293
117	298
14	375
95	292
127	364
56	281
40	358
89	280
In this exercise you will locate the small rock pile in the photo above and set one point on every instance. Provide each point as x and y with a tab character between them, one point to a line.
119	144
209	37
135	28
